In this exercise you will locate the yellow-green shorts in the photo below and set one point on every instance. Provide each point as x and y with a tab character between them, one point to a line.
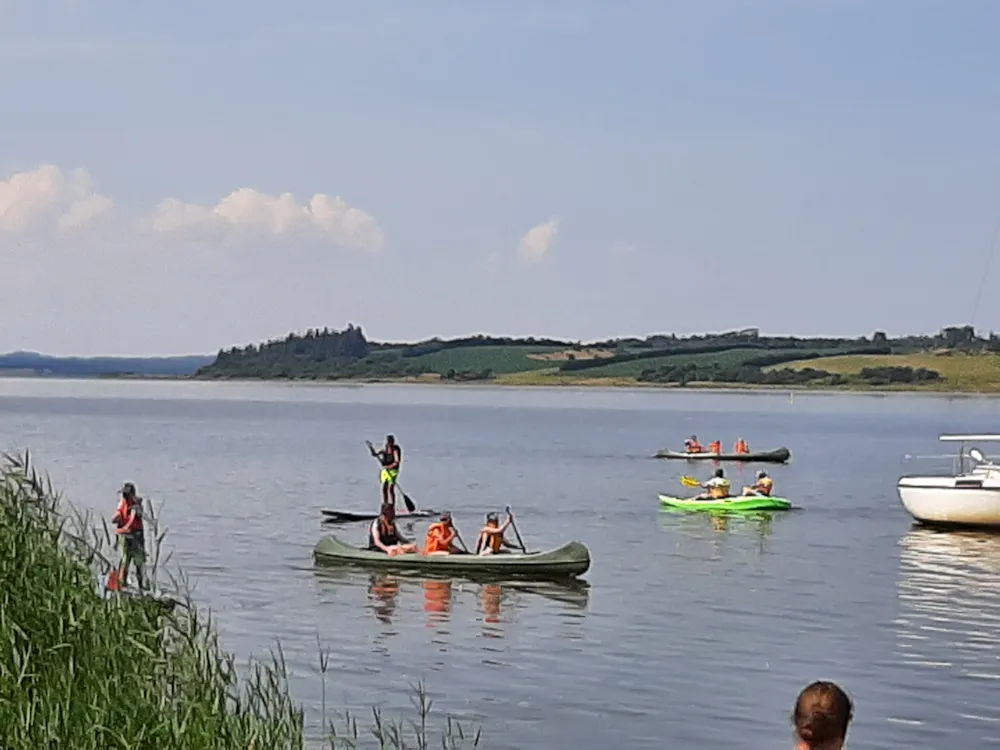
389	476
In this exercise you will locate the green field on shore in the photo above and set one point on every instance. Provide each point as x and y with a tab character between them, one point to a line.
954	358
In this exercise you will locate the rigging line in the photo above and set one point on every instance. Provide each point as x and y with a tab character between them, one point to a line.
986	272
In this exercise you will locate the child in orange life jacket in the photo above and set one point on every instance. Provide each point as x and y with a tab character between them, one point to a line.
441	537
491	539
691	445
764	486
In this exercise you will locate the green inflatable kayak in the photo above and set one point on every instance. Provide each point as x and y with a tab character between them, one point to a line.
737	504
568	561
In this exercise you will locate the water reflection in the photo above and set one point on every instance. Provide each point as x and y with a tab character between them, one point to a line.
396	597
721	523
949	610
382	592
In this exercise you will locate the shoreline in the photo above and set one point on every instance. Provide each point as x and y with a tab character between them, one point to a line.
515	382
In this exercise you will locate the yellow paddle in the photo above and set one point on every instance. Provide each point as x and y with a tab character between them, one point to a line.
690	482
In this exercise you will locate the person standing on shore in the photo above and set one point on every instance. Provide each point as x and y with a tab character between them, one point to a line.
131	538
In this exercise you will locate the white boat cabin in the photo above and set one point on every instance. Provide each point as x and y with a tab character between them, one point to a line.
968	497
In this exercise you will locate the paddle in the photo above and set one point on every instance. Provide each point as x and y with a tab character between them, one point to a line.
516	532
461	541
410	505
690	482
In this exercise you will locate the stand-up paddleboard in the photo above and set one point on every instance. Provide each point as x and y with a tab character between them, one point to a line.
349	516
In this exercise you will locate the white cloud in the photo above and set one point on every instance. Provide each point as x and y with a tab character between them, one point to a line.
538	241
46	197
249	209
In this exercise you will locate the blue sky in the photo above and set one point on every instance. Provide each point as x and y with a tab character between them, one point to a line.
581	169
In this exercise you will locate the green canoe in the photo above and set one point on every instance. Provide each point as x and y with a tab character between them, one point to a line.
736	504
776	456
568	561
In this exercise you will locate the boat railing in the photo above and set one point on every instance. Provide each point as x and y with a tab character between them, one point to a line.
975	459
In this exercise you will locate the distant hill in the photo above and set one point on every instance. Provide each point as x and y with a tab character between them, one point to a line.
743	357
33	363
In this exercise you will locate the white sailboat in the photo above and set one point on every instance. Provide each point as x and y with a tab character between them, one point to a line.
968	497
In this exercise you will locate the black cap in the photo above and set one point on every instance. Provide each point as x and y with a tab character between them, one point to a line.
446	516
491	516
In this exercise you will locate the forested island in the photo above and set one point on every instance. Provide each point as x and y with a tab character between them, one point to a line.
956	358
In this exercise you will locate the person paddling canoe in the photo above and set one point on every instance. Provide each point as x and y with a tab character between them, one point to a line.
391	456
717	488
491	539
764	486
384	536
441	537
131	537
691	445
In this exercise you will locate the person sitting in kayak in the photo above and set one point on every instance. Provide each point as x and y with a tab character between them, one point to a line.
691	445
391	456
763	487
742	447
441	537
491	540
717	487
383	534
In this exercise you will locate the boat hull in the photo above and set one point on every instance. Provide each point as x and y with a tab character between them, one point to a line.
738	504
568	561
777	456
938	501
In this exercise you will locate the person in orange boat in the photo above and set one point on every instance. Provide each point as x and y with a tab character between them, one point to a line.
764	486
383	534
691	445
491	540
441	537
131	537
715	447
742	447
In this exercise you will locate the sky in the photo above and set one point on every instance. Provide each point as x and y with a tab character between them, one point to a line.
182	177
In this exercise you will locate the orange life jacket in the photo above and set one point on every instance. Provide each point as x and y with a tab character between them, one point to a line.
439	538
122	514
715	447
493	541
695	447
742	447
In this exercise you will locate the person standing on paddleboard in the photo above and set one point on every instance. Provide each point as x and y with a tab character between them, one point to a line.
391	456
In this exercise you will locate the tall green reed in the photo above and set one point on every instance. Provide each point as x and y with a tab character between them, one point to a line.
83	669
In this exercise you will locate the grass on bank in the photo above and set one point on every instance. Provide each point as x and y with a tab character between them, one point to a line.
959	371
83	670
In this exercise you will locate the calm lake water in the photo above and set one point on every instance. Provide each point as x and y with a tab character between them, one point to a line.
691	633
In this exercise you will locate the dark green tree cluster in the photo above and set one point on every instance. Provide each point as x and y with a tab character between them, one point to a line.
326	354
